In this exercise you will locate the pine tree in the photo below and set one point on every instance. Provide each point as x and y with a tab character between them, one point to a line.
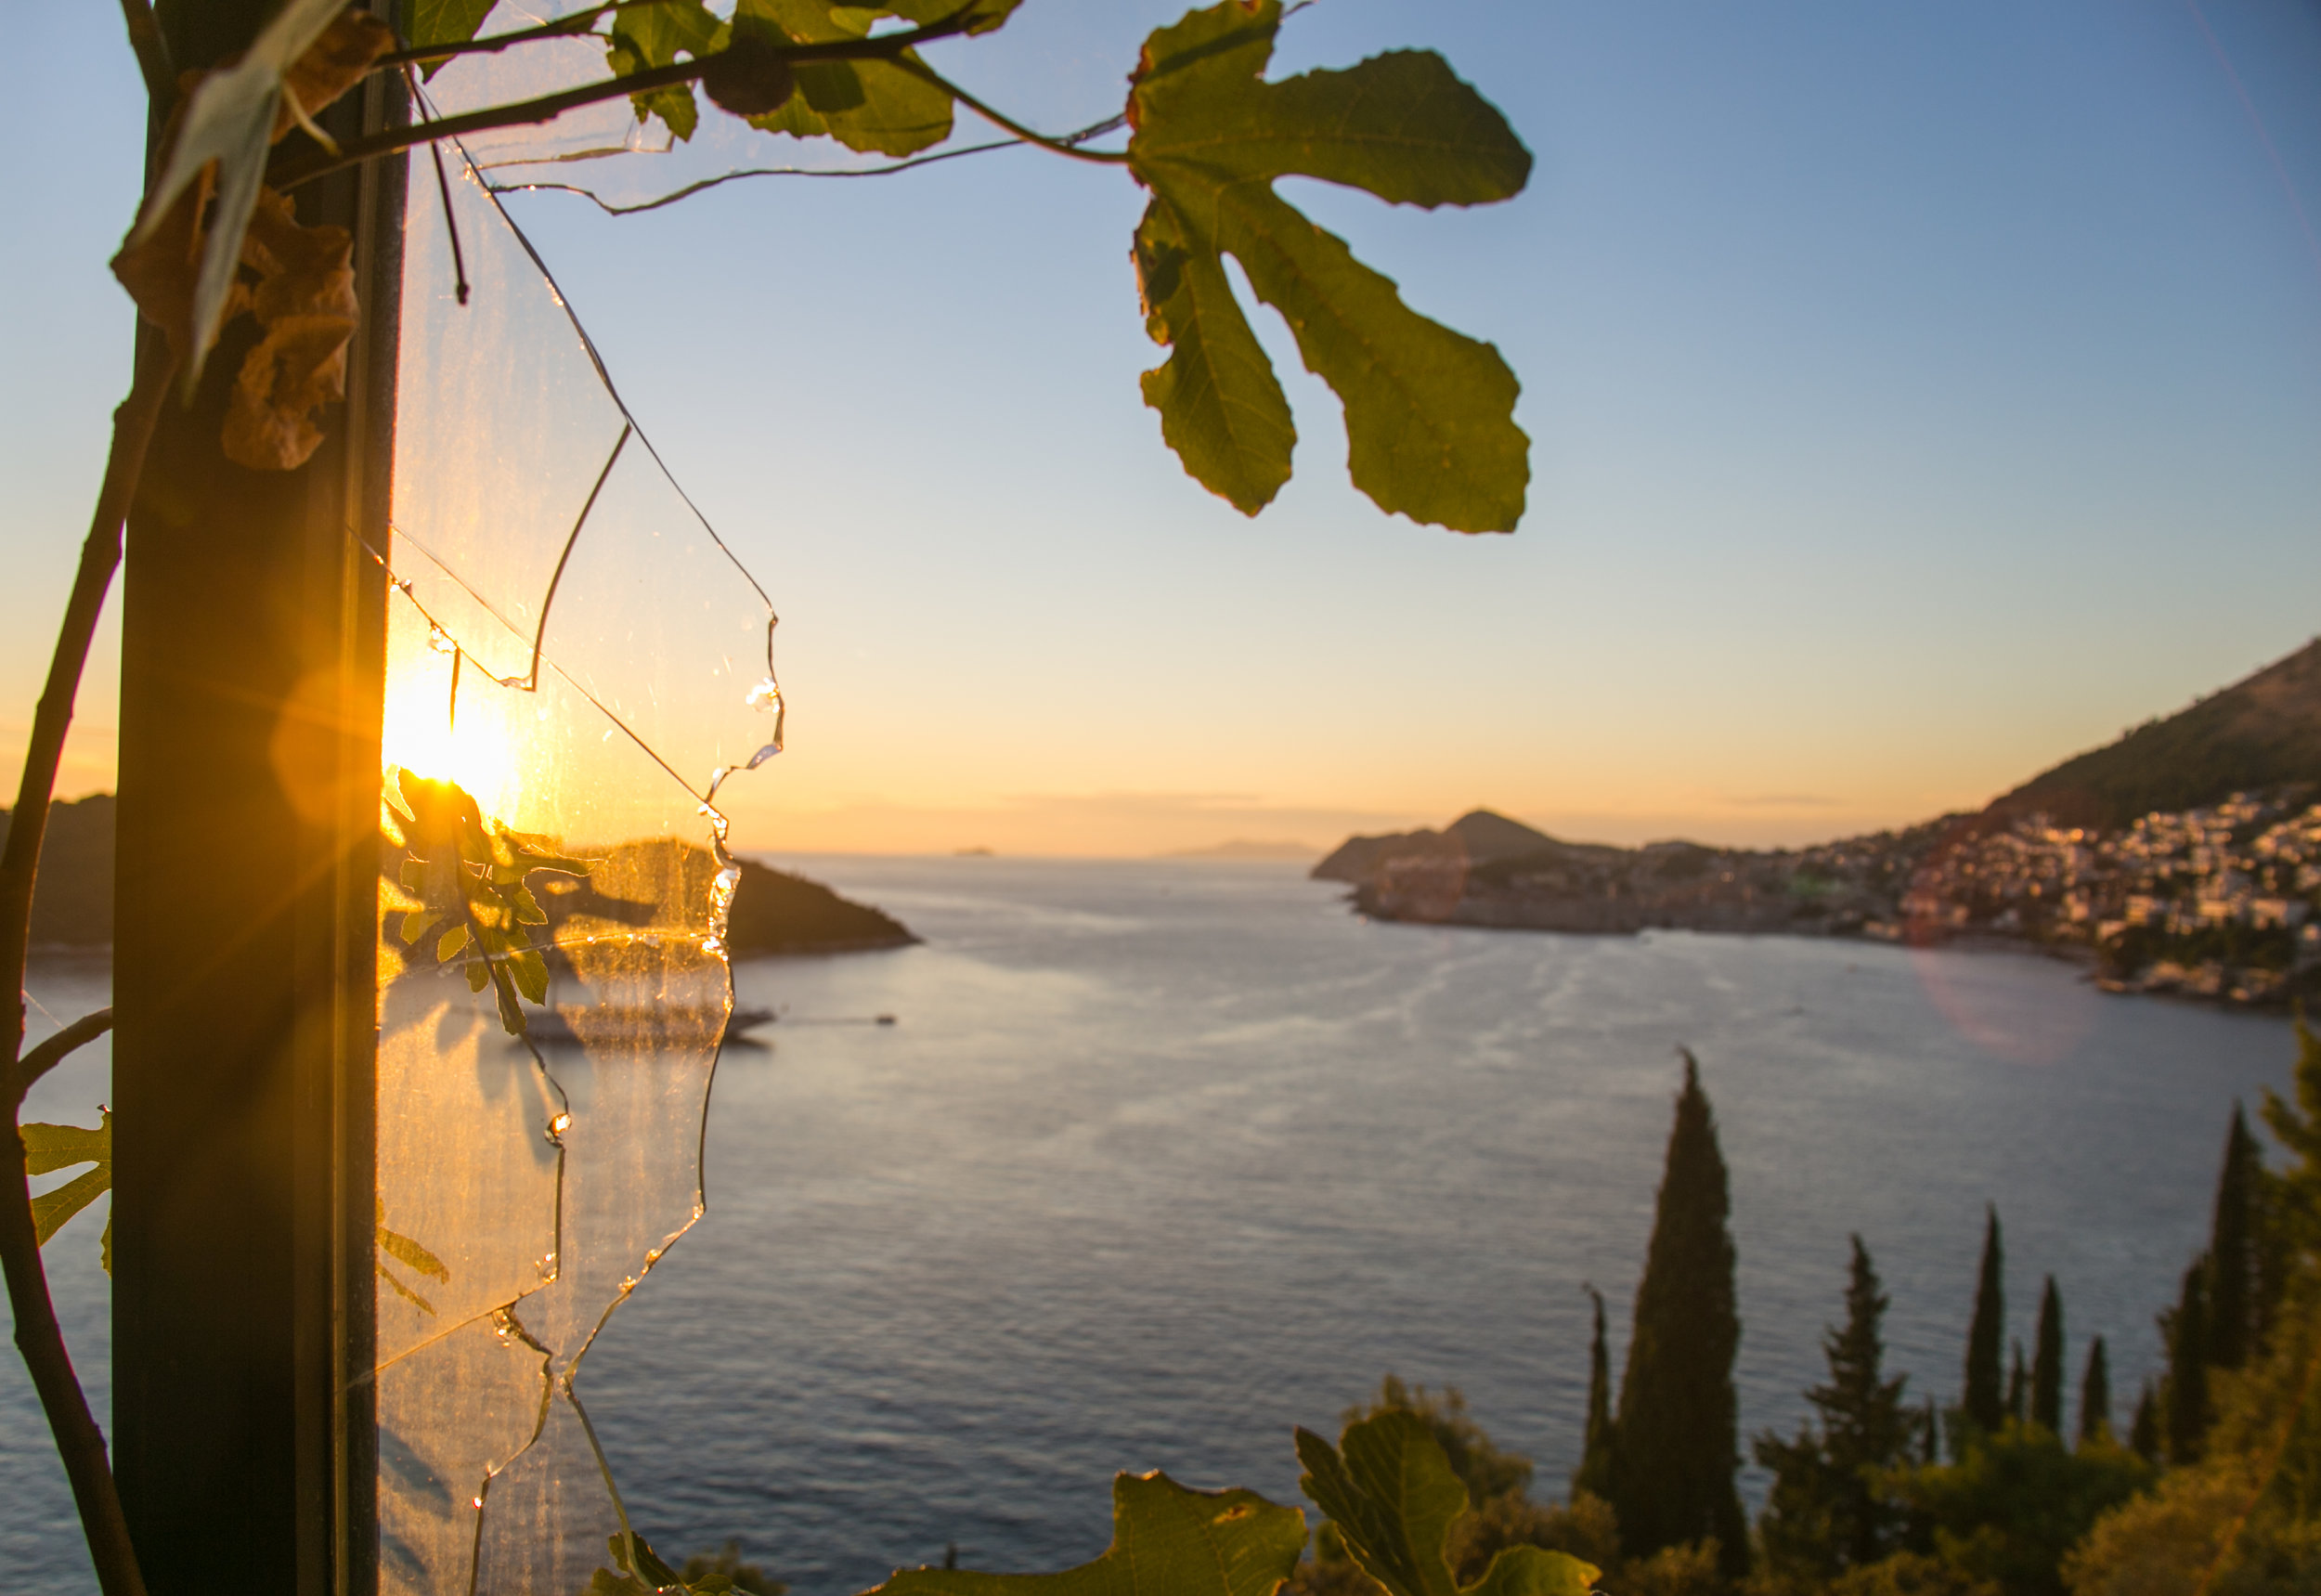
1675	1444
2015	1384
1825	1512
1986	1334
1594	1477
2144	1435
2186	1330
2235	1289
2046	1392
2095	1397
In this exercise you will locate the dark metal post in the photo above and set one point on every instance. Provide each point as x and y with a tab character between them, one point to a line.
245	955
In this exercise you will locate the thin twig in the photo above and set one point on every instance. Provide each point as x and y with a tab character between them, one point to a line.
925	74
52	1051
39	1339
443	189
152	52
304	167
450	223
913	164
691	189
100	556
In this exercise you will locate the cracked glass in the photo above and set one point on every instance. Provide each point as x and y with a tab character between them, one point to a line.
575	662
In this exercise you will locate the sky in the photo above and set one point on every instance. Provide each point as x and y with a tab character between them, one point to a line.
1917	395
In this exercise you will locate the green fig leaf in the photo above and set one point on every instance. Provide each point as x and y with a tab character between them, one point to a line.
1166	1539
653	35
51	1147
1429	412
1392	1493
1220	409
874	107
985	15
444	22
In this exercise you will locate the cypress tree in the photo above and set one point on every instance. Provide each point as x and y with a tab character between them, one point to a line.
1823	1514
1594	1477
1986	1333
2144	1435
1675	1444
2046	1392
1930	1434
2235	1289
2095	1397
2187	1331
2015	1386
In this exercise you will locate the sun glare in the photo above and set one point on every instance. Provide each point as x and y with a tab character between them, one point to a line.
423	734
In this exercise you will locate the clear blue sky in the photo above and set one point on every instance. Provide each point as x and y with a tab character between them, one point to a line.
1918	396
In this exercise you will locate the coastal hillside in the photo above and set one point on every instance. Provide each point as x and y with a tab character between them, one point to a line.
2264	731
1477	837
775	911
2185	857
72	903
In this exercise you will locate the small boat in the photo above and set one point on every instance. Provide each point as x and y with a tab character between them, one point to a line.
551	1025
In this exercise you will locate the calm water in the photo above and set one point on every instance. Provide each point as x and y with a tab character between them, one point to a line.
1164	1159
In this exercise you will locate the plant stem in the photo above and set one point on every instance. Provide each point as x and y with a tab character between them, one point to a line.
308	164
152	52
925	74
79	1442
55	1050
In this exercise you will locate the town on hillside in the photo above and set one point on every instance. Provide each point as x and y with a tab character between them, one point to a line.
2185	857
2218	902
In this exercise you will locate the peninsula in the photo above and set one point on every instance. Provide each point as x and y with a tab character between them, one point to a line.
2185	857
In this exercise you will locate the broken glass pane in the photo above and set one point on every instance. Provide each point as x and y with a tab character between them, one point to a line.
574	663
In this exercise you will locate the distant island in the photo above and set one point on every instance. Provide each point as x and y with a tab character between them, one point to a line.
2185	857
773	911
1245	848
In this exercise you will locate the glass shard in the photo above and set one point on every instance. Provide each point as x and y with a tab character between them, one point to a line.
575	662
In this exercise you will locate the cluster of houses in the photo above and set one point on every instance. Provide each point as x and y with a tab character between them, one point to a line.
2216	901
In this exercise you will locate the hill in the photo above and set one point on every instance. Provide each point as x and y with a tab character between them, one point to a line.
1246	848
2261	732
775	911
72	904
1479	837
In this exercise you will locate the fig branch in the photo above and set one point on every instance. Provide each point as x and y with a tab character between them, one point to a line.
293	168
39	1338
925	74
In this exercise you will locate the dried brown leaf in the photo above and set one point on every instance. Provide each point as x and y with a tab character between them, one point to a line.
161	265
305	300
158	271
333	64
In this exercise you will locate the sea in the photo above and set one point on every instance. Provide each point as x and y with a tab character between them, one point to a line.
1160	1160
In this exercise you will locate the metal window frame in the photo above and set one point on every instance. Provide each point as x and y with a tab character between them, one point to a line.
246	916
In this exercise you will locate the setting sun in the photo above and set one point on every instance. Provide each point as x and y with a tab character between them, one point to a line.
443	722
